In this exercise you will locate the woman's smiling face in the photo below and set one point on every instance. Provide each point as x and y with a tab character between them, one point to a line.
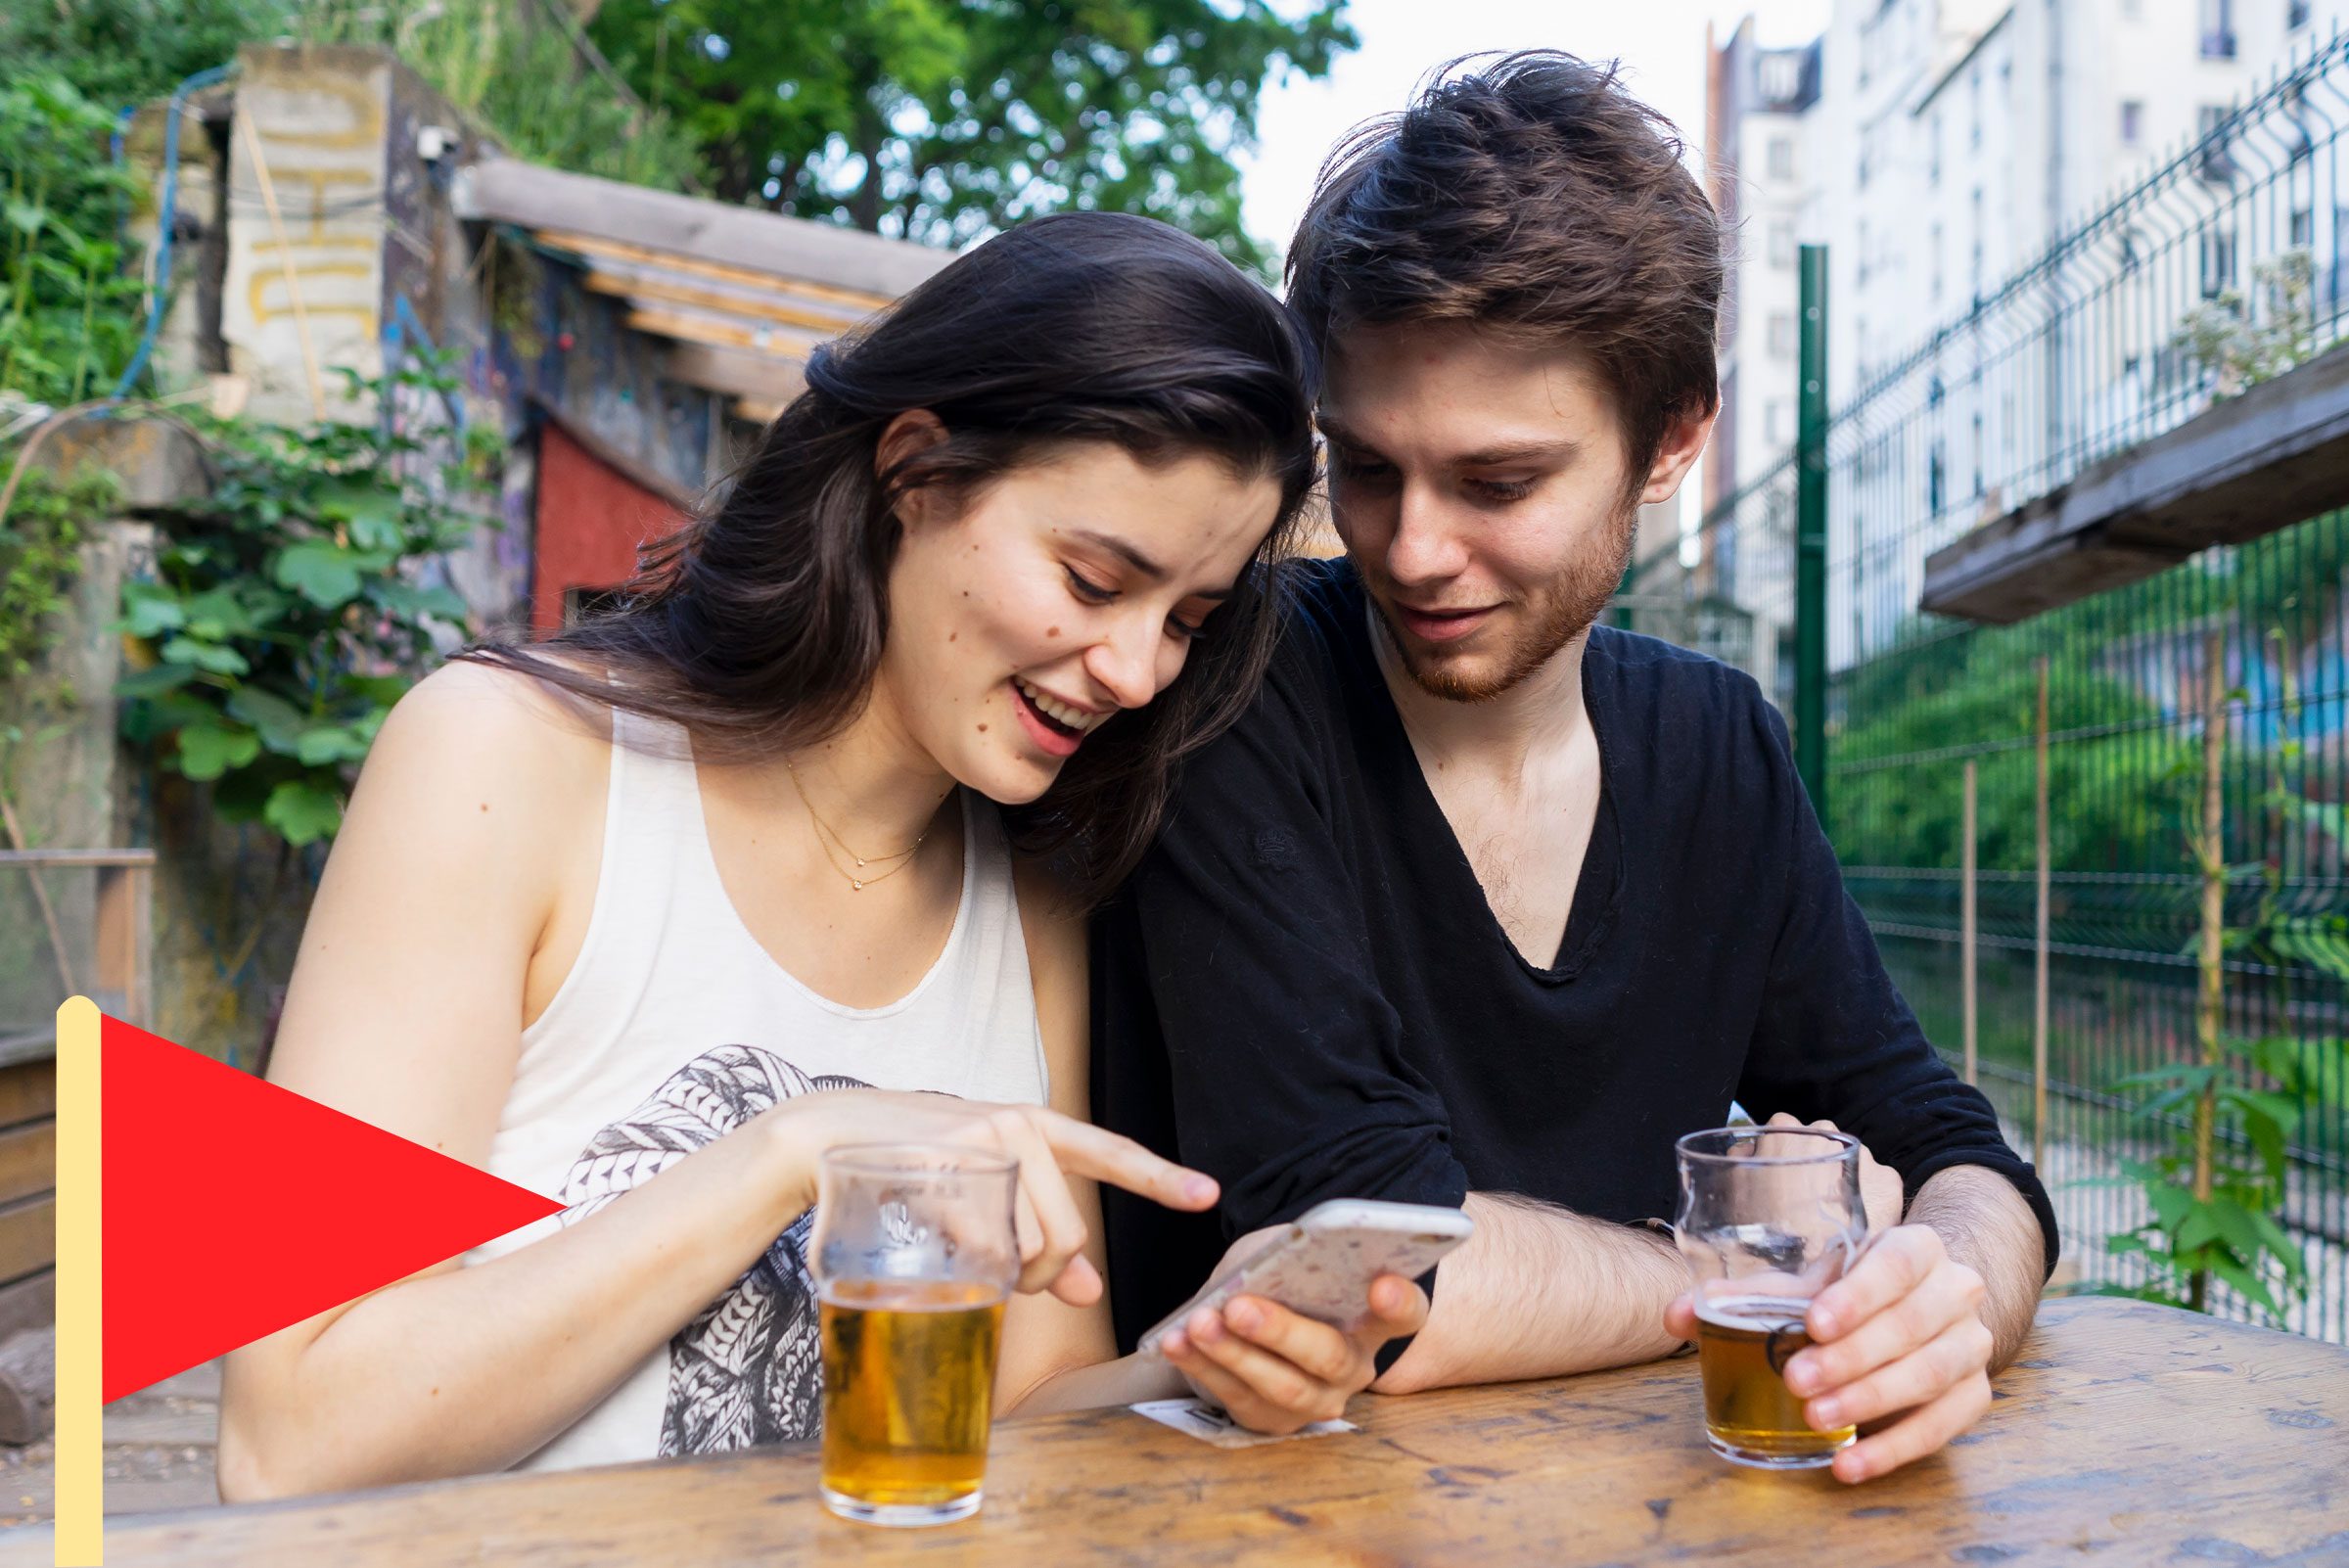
1064	591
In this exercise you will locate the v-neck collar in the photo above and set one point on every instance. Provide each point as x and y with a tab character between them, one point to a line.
1597	885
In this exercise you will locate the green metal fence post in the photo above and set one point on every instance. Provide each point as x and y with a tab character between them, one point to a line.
1810	537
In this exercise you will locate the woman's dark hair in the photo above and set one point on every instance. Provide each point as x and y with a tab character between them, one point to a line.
759	625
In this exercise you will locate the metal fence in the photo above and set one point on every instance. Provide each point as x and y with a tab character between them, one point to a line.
2227	265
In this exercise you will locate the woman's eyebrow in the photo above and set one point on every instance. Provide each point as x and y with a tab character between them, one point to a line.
1140	562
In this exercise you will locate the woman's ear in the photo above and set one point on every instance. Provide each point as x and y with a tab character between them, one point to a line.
907	436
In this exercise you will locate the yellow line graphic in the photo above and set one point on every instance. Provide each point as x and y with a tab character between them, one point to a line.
80	1457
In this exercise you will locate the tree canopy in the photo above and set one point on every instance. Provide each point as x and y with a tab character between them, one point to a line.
936	121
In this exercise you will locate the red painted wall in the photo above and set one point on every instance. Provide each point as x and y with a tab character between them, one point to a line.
591	517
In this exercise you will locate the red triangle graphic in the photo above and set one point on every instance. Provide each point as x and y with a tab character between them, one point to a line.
233	1208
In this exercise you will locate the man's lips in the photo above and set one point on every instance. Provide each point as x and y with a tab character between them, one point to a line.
1440	625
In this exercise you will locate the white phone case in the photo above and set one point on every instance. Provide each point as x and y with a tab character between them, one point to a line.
1322	1265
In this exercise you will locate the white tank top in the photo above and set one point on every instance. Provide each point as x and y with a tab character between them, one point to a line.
673	1026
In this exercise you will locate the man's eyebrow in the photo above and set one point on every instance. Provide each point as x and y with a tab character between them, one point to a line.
1533	451
1525	451
1140	562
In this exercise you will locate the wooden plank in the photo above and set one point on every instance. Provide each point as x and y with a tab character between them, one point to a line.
818	328
28	1091
28	1047
2272	457
2129	1426
505	190
742	373
28	1236
77	858
688	325
852	302
28	1160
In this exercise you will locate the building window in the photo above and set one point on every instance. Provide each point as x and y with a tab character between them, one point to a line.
2304	227
2216	164
2218	30
2132	122
1781	158
1782	334
1977	454
1936	481
1933	148
1933	248
2295	15
2218	262
1977	266
1776	427
1781	242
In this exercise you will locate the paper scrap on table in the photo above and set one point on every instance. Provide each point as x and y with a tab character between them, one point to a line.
1209	1424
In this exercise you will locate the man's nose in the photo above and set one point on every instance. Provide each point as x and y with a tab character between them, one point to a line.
1425	547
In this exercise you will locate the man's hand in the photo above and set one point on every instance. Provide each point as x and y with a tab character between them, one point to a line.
1901	1334
1276	1371
1880	1191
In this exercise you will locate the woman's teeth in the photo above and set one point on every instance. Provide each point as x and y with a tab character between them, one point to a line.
1059	713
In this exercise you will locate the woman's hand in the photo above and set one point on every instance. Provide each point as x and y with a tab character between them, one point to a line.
1276	1371
1049	1147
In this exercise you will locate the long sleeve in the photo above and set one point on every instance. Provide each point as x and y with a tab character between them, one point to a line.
1835	1039
1288	1079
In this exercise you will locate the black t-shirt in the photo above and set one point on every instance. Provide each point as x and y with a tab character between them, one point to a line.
1304	992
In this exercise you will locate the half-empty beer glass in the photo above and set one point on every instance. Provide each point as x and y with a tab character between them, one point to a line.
915	1253
1768	1217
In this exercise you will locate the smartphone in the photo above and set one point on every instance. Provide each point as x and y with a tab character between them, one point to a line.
1320	1264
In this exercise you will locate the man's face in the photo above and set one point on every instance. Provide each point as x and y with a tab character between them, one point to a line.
1481	491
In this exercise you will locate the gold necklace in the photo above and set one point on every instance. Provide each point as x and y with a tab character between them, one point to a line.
827	836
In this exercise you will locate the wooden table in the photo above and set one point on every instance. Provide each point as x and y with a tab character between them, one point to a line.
2128	1434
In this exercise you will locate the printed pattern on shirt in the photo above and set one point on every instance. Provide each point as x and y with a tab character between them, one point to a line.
749	1370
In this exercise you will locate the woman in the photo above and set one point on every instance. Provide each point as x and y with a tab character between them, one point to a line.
691	891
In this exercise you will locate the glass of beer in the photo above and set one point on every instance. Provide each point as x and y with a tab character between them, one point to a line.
915	1253
1768	1217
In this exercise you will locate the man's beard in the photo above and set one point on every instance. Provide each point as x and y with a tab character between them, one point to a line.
1562	611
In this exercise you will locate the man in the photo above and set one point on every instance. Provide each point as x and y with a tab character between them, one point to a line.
1484	903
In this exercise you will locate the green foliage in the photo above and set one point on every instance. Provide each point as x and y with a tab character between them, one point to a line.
39	540
939	121
511	64
1986	686
2235	1235
2241	349
284	620
68	317
119	53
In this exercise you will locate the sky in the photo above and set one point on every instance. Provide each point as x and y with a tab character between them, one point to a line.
1660	42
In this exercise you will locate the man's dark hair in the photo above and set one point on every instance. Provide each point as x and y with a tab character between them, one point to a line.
1531	195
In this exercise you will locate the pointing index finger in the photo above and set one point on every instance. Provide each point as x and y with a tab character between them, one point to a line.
1103	1156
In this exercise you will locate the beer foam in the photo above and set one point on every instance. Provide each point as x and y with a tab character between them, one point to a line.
1753	1314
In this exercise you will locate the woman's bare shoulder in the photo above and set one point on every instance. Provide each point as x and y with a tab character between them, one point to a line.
473	728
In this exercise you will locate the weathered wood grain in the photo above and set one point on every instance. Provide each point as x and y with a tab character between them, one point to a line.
2128	1434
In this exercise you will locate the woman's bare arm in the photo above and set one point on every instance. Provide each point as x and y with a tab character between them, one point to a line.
479	799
